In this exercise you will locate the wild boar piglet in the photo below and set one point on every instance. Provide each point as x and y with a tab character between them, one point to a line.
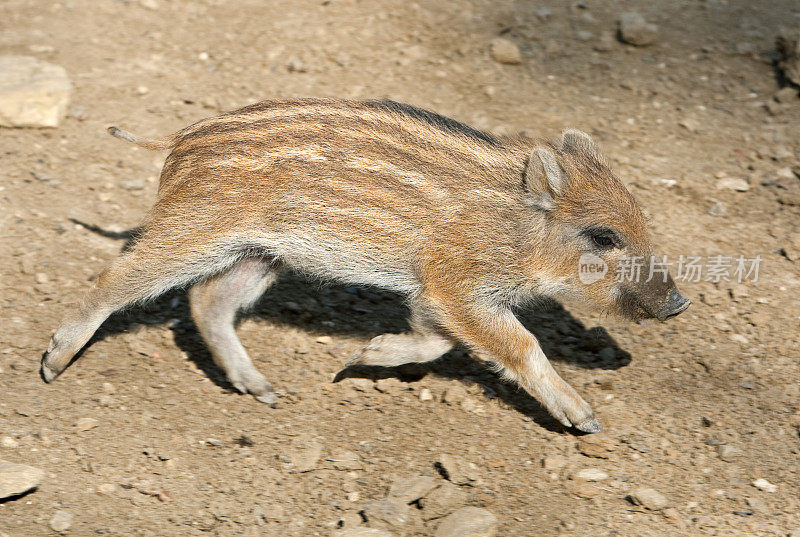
465	224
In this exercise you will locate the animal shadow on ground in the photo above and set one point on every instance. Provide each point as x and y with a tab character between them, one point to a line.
330	309
365	313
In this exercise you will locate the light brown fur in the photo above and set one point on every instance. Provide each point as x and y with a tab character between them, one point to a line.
467	225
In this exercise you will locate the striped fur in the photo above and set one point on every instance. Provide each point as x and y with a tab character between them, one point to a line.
466	224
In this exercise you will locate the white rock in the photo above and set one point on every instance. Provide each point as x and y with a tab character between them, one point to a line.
8	442
733	183
425	395
763	484
17	479
468	522
591	474
33	93
785	173
61	521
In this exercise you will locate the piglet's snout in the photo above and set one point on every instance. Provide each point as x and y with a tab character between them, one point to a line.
675	305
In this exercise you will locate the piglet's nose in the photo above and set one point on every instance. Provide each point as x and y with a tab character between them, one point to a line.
676	304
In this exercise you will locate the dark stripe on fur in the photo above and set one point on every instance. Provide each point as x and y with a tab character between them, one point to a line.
441	122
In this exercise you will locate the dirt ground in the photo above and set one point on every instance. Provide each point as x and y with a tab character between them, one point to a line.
697	408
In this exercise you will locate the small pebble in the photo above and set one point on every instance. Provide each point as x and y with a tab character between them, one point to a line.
733	183
85	424
648	498
106	488
727	453
9	442
554	462
505	51
61	521
763	484
468	522
590	474
635	30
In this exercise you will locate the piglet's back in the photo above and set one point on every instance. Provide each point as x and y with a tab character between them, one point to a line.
377	178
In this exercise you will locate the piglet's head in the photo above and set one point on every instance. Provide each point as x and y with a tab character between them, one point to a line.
594	239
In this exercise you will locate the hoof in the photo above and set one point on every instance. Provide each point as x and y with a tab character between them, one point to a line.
590	426
48	375
269	398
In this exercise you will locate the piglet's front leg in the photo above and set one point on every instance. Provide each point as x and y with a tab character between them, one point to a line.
497	331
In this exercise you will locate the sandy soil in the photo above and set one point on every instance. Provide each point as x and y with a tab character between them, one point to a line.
697	408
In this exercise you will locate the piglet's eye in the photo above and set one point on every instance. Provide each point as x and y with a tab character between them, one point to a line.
603	240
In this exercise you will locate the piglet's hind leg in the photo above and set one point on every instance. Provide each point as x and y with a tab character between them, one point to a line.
215	303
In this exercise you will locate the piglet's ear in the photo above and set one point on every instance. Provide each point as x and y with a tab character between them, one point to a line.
544	177
575	141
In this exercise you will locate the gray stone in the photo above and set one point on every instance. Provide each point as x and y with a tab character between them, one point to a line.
442	500
61	521
648	498
718	209
505	51
133	184
389	510
468	522
457	470
33	93
413	488
634	29
16	479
